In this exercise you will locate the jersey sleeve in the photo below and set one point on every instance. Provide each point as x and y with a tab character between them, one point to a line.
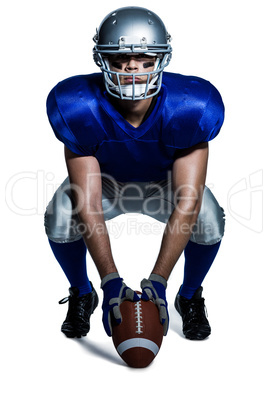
58	117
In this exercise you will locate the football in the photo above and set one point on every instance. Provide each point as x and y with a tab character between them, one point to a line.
139	336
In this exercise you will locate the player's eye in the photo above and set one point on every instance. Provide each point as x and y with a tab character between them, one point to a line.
121	58
145	57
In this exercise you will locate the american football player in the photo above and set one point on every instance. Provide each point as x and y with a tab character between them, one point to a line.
136	140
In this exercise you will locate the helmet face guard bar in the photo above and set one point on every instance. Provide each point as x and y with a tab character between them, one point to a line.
132	48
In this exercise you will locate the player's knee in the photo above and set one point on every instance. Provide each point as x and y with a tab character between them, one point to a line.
61	224
209	228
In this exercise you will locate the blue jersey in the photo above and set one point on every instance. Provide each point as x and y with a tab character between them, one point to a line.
188	111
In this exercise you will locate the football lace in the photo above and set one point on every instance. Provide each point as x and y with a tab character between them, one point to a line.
138	316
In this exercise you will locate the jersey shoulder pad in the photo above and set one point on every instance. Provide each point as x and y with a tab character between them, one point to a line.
197	110
69	112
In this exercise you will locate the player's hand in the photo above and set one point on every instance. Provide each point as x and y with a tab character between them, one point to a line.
154	289
115	292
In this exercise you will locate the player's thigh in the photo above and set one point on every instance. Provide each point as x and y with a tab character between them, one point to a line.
209	228
62	223
61	219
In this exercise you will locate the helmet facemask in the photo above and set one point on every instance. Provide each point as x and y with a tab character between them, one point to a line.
134	91
153	41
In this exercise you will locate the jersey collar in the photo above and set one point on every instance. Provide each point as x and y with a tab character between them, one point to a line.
135	132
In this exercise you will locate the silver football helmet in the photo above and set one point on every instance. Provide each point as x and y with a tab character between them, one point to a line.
132	30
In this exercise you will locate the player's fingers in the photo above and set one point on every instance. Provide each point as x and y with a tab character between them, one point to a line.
166	324
146	294
131	295
106	320
148	289
162	314
164	319
117	314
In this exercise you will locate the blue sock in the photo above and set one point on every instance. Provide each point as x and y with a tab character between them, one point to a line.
72	259
198	260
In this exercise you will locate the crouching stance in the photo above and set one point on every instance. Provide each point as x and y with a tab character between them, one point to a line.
136	140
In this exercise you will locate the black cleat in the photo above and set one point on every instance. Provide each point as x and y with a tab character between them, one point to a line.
193	313
80	309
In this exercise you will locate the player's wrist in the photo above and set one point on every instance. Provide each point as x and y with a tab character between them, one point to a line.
109	277
159	279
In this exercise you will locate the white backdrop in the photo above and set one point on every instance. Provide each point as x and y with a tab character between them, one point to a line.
45	42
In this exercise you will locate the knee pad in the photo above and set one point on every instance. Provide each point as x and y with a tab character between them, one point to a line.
209	228
60	220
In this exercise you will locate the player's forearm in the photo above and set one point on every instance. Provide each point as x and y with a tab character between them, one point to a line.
176	236
189	175
97	240
85	178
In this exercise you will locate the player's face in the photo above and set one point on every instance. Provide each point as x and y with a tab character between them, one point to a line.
133	64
